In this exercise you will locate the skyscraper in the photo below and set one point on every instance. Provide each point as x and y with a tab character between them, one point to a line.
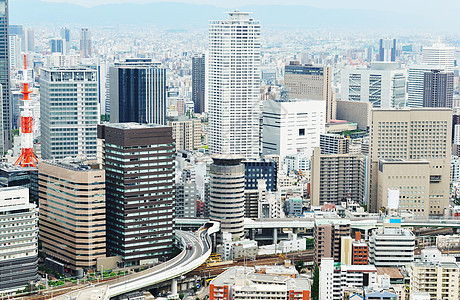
57	46
29	40
139	166
387	49
85	43
5	139
137	92
310	82
65	35
415	84
198	82
439	55
233	85
438	89
413	134
68	112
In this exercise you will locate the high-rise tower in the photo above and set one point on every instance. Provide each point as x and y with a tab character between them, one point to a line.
233	83
85	43
198	82
5	137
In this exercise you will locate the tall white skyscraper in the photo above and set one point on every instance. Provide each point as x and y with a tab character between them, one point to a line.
233	85
439	55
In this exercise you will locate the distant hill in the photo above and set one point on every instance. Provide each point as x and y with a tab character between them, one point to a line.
180	15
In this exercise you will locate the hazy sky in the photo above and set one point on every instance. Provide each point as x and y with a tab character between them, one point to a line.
416	7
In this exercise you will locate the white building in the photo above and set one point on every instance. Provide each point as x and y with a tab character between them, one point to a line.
439	55
233	83
292	126
15	53
297	162
335	279
383	85
415	82
455	163
391	247
18	239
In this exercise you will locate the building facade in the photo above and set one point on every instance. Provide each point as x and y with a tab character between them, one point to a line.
68	112
416	82
72	213
292	126
439	55
310	82
19	239
328	236
383	85
438	89
387	49
226	203
137	92
261	169
186	133
199	82
233	83
337	178
334	144
139	164
413	134
85	43
5	137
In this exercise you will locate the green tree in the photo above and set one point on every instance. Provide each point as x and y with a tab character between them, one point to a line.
181	296
315	286
299	265
195	289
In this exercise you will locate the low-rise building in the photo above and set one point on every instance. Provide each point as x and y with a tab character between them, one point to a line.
239	283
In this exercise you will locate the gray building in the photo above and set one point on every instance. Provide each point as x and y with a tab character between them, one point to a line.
438	88
186	197
19	237
198	82
58	46
68	112
227	194
334	144
354	111
5	138
85	43
137	92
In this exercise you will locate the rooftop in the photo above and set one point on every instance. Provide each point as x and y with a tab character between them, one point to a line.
74	164
132	125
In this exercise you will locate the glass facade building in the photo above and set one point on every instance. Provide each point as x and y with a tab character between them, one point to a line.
5	138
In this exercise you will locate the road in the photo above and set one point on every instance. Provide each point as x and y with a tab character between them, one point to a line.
185	262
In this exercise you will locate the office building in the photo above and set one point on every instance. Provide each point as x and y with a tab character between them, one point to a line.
413	134
72	213
328	236
416	83
391	247
65	35
58	46
387	50
19	239
137	92
58	60
337	178
439	55
438	89
292	126
383	85
29	40
226	203
16	59
240	283
5	138
334	144
198	82
186	200
85	43
354	111
16	176
139	166
439	276
233	83
411	181
360	251
256	170
68	112
310	82
186	133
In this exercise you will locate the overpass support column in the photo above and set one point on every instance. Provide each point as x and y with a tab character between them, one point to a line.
174	286
252	234
366	234
275	236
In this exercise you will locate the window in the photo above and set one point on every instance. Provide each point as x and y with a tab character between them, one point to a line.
302	132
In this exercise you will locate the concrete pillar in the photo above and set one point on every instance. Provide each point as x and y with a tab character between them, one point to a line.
174	286
366	234
275	236
252	234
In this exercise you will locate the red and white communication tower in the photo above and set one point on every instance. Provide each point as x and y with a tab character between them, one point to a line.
27	157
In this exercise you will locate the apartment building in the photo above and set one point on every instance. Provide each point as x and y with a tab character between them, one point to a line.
186	133
327	235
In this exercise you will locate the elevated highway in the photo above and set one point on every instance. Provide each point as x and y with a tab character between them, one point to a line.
186	261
